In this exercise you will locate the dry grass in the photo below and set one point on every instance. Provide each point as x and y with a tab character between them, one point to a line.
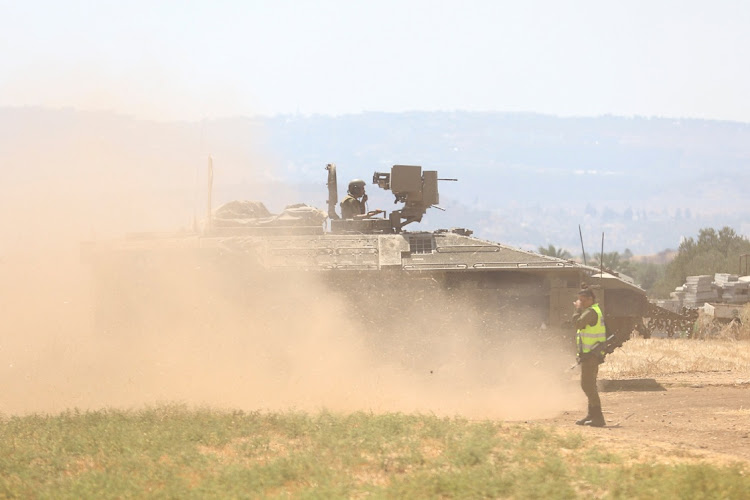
707	327
715	347
661	357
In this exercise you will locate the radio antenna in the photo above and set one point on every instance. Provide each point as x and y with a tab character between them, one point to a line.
601	260
582	249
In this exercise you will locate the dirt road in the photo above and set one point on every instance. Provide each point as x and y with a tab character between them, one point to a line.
705	416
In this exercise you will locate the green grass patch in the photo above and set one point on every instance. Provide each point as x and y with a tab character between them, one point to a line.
179	452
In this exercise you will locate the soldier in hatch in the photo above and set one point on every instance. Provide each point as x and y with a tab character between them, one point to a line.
353	205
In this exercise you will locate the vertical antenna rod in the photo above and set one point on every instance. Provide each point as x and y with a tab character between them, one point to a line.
601	260
582	250
210	189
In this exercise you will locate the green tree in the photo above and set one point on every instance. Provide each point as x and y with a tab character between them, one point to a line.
646	274
551	251
712	252
614	261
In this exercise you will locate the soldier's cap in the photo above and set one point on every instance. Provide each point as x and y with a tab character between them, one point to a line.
586	292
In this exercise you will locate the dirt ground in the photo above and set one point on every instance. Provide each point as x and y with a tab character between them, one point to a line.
700	415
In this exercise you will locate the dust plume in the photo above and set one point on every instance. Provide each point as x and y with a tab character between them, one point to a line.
111	330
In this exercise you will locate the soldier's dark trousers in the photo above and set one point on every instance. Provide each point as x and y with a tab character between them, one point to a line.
589	372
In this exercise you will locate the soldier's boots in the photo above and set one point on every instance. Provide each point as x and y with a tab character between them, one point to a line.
594	418
583	421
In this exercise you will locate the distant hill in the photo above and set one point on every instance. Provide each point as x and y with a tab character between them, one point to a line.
524	179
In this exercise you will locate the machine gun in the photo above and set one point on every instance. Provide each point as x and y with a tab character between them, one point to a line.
415	188
598	349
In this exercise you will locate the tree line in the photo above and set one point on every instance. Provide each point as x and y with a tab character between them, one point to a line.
722	251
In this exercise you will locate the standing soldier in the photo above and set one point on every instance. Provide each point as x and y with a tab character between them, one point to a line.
353	205
590	324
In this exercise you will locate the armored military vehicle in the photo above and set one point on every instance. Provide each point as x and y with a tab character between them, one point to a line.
386	270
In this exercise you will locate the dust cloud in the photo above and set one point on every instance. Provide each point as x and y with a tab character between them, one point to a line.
84	332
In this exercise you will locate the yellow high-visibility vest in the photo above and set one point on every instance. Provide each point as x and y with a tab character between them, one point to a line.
591	335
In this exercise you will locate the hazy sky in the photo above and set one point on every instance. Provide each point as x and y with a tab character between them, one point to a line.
193	60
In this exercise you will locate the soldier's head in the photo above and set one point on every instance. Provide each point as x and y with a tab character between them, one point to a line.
357	188
586	297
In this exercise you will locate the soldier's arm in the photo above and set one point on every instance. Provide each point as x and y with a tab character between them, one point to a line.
587	317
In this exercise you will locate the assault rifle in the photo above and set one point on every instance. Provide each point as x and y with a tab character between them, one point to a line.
596	350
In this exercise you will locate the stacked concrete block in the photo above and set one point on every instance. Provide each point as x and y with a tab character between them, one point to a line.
730	289
699	290
678	294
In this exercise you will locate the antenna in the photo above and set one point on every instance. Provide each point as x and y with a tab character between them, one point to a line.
210	189
582	250
601	261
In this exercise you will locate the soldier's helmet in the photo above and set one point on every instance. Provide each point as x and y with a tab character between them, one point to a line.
357	188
